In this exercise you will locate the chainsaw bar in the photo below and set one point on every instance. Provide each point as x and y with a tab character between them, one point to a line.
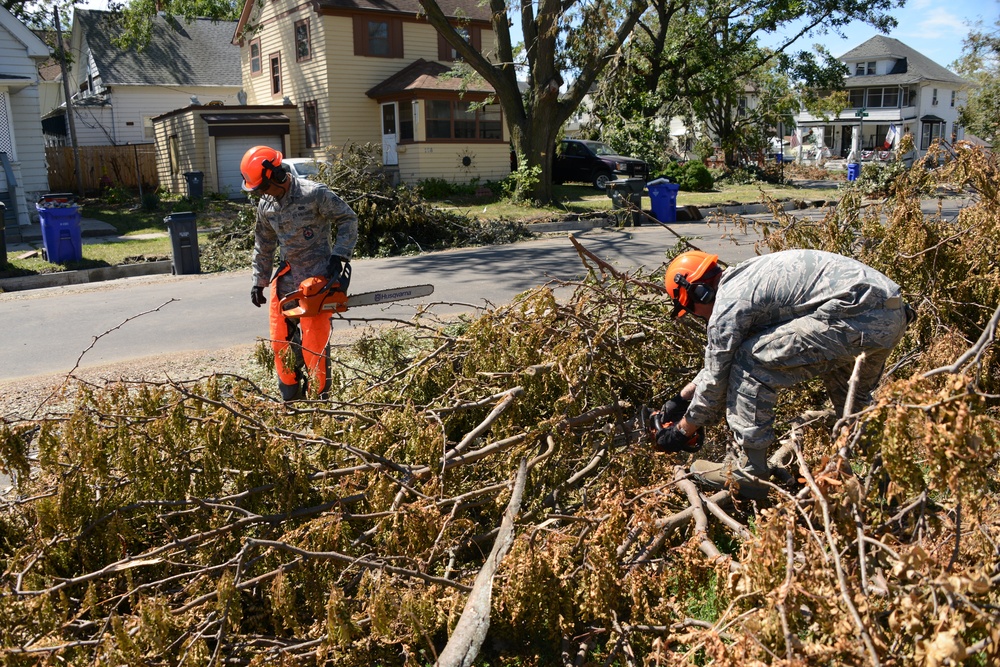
385	296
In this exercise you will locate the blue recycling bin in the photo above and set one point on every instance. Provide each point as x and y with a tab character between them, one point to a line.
853	171
663	199
60	221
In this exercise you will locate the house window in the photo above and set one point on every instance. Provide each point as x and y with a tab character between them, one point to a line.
378	38
928	133
934	97
463	120
864	69
406	121
871	69
276	74
447	53
311	118
303	48
438	119
874	98
857	98
828	136
255	65
147	127
953	94
173	153
490	122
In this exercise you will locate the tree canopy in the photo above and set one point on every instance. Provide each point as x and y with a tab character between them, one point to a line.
980	63
698	61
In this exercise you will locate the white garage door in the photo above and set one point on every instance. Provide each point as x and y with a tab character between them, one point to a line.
228	153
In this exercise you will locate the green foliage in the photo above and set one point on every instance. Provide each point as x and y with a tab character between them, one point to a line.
150	201
520	184
435	188
878	179
980	64
696	177
691	176
133	20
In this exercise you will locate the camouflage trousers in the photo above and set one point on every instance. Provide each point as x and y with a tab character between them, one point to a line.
801	349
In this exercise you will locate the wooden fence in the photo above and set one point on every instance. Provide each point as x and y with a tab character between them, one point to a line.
103	166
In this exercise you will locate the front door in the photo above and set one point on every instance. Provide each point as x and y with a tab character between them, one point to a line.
390	157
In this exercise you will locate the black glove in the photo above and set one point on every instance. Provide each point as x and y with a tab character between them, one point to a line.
339	269
674	409
257	296
672	439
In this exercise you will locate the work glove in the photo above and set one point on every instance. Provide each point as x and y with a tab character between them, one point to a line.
674	409
257	296
339	269
672	439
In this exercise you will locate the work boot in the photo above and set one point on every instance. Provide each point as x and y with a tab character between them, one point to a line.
290	392
744	474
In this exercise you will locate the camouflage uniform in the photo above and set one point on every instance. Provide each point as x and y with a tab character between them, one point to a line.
299	223
783	318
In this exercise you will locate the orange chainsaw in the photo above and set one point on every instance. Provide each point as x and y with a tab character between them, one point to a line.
319	295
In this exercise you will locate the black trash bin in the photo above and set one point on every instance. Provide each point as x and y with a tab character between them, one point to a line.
184	242
626	193
195	184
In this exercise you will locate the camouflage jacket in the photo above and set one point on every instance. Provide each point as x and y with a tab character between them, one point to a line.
765	291
299	225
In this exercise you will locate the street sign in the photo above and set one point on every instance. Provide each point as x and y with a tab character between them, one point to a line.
861	113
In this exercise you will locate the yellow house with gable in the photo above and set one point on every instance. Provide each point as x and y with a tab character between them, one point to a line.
375	71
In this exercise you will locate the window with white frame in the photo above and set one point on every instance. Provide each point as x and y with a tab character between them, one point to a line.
934	97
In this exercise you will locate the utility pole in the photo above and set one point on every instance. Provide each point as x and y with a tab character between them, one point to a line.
69	102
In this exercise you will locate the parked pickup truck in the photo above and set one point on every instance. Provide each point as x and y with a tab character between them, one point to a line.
593	162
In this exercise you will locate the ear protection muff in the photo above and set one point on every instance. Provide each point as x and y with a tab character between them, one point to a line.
697	292
271	173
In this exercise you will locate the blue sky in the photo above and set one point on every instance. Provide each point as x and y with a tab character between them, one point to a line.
933	27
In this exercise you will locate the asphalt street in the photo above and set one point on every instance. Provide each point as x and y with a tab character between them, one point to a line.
46	331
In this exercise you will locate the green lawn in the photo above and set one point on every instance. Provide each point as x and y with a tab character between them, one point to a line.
95	255
585	199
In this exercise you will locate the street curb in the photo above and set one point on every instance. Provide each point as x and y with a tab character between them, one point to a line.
84	276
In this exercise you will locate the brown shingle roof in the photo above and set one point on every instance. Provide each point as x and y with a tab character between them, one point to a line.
471	9
425	75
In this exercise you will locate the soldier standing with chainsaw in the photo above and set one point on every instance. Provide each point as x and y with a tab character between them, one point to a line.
774	321
296	217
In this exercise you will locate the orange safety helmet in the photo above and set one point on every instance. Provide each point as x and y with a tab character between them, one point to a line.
259	166
686	277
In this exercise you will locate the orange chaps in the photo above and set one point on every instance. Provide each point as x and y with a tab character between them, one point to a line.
308	340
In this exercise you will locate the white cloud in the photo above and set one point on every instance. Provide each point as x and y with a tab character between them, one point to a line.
935	23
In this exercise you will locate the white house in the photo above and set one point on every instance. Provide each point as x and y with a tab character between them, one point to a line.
890	86
23	176
116	93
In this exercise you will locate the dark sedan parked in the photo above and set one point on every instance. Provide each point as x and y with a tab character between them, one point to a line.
594	162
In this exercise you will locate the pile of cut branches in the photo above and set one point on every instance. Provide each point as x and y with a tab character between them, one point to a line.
471	494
